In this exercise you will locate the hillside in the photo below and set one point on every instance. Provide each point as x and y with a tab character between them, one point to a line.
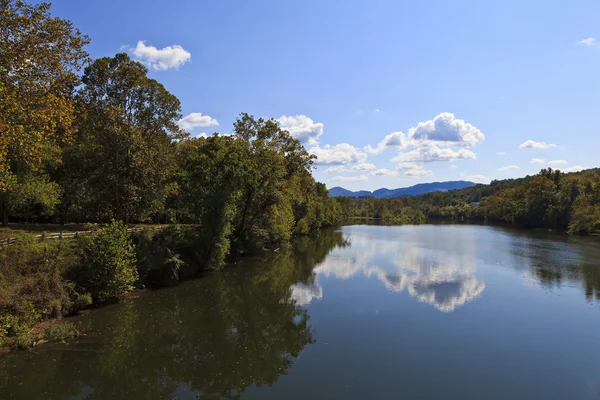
414	190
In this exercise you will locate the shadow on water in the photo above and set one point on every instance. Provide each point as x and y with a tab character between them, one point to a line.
210	338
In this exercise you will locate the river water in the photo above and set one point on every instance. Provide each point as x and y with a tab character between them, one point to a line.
362	312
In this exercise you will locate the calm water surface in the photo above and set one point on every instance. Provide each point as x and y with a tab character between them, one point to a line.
364	312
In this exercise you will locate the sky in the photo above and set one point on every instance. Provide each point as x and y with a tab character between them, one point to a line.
384	93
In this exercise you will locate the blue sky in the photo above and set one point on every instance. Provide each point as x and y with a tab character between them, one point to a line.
456	87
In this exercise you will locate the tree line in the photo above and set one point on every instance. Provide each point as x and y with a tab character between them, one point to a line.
104	144
550	199
97	141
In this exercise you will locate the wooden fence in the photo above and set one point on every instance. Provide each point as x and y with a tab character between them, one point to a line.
72	235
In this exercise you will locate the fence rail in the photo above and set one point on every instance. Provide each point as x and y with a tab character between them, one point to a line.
72	235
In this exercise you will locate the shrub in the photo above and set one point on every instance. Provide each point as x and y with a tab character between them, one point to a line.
106	262
168	256
33	284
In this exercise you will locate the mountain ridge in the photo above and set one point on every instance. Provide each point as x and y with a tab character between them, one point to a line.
420	188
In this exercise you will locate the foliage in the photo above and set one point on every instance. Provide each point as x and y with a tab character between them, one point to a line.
121	162
34	284
39	57
106	262
34	196
550	199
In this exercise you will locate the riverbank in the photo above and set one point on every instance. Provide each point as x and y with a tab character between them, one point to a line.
51	280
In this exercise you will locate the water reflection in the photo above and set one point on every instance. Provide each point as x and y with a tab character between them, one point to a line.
210	338
228	333
440	274
554	260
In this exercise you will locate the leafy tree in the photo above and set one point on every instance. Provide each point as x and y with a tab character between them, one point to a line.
124	146
34	196
107	263
39	58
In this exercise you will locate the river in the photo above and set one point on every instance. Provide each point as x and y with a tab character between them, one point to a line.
361	312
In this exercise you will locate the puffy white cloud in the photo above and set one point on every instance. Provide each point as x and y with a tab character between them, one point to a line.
443	130
383	172
558	162
501	153
434	153
446	129
508	168
342	153
575	168
161	59
336	168
479	178
413	169
408	165
196	120
377	110
532	144
302	128
453	166
537	161
589	42
364	167
357	178
417	172
393	140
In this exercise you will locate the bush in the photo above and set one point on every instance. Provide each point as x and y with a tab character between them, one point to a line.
106	262
33	285
168	256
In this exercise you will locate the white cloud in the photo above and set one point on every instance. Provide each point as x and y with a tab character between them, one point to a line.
342	153
201	134
501	153
447	130
443	130
377	110
393	140
589	42
532	144
161	59
508	168
417	172
336	168
413	170
302	128
434	153
196	120
383	172
453	166
364	167
537	161
350	178
575	168
479	178
558	162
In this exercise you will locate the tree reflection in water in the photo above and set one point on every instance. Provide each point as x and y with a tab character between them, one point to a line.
212	337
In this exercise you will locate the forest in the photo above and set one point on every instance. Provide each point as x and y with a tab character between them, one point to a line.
550	199
96	141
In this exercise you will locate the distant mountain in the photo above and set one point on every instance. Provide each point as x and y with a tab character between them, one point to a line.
420	188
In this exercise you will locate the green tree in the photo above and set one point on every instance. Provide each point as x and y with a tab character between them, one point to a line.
39	58
106	262
124	149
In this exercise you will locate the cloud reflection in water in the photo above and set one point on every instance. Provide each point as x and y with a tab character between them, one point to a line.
443	276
